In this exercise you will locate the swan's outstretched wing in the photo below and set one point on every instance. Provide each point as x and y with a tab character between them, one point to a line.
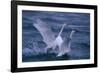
45	30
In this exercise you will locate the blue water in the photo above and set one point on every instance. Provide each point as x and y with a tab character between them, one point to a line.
32	41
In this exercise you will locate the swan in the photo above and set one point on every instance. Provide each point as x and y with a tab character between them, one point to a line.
50	39
66	45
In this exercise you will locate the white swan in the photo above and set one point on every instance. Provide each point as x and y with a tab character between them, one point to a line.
50	39
66	45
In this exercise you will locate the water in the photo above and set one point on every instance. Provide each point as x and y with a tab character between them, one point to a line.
33	44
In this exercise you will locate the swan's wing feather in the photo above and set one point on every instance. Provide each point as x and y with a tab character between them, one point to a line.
45	30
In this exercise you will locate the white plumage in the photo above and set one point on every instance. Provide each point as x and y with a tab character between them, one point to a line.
50	39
